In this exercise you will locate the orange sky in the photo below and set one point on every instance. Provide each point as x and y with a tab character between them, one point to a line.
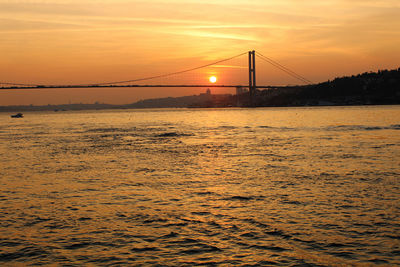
82	41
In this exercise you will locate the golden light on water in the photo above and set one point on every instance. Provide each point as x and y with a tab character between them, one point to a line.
200	186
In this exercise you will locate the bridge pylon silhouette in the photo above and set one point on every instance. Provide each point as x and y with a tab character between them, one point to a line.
138	82
252	76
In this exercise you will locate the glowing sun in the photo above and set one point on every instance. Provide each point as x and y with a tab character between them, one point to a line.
213	79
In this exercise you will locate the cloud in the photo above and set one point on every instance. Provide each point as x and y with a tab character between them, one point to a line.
229	67
213	35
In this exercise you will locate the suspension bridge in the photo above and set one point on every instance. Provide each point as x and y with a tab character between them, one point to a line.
151	81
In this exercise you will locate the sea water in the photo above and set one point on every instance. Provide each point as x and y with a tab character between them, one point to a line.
314	186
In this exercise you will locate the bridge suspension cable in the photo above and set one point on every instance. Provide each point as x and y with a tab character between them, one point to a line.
133	80
259	55
283	68
168	74
19	84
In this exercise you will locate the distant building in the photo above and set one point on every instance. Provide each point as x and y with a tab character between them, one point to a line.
241	90
207	93
242	97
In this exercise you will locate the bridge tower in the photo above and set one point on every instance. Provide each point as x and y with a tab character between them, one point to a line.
252	76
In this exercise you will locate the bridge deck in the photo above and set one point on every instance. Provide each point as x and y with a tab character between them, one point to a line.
134	86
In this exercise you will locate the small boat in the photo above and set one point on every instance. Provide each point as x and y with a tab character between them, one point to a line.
18	115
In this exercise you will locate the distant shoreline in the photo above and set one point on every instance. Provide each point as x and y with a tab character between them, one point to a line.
370	88
13	109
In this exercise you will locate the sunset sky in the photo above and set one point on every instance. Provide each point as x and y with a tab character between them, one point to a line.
82	41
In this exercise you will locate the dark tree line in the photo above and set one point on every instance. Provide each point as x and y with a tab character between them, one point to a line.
382	87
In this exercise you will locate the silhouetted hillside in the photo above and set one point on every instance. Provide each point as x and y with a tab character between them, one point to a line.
375	88
370	88
170	102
